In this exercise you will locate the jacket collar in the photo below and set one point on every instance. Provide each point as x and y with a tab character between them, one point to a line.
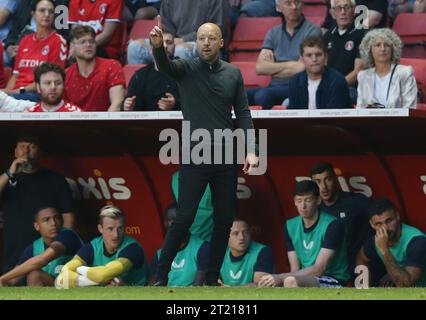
349	30
213	67
303	80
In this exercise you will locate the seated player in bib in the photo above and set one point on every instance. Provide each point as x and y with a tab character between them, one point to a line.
315	244
190	264
111	259
246	261
42	261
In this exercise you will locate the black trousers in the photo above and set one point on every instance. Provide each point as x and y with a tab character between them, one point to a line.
193	180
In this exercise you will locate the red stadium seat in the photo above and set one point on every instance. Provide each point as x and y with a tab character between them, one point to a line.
255	107
411	27
122	28
307	2
315	9
251	79
317	20
248	37
419	66
279	108
141	29
129	70
7	71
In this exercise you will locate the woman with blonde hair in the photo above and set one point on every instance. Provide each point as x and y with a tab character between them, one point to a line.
385	84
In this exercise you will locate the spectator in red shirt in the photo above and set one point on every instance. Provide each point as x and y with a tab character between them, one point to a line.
104	17
50	79
44	45
93	83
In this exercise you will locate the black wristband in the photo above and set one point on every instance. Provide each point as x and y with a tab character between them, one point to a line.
10	175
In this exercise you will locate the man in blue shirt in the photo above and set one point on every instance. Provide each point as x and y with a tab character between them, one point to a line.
279	56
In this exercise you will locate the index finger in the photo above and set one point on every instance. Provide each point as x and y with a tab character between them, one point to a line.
159	23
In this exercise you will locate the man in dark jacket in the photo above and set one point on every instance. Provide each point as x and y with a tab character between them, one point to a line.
151	90
318	87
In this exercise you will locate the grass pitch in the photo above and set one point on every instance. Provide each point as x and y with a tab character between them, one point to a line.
210	293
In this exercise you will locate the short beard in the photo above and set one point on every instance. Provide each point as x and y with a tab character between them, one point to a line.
51	103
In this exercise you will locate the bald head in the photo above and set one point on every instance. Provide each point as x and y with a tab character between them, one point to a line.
210	27
209	42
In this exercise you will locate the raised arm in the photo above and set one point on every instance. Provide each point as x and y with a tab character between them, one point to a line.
161	60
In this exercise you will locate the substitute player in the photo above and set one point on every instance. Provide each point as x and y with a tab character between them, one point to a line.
112	255
42	261
315	243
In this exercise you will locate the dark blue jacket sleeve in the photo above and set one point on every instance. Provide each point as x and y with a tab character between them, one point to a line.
370	248
334	236
298	98
203	257
70	240
26	254
135	254
416	253
86	253
287	239
265	261
339	95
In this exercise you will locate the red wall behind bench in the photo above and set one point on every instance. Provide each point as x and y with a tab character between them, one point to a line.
141	187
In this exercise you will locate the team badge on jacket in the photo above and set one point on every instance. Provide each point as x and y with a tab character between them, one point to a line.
349	45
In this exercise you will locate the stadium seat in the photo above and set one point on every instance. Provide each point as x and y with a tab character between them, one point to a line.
248	37
279	108
122	28
411	27
7	71
314	8
317	20
129	70
255	107
419	66
308	2
141	29
251	79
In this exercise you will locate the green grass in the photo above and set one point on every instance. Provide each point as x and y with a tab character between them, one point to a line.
208	293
